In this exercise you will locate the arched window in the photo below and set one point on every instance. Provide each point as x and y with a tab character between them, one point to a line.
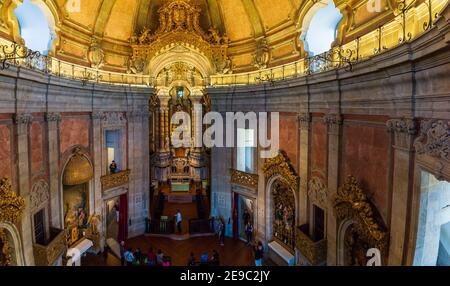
320	27
35	26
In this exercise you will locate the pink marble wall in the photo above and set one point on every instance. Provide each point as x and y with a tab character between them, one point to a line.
36	147
366	156
319	149
73	132
5	152
289	130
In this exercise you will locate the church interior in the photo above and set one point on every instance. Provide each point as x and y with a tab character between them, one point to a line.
353	94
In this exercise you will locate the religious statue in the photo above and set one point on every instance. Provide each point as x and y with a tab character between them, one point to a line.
94	223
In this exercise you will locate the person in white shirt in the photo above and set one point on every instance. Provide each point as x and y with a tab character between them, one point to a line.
178	220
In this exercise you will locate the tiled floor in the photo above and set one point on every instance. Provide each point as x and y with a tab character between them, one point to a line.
233	253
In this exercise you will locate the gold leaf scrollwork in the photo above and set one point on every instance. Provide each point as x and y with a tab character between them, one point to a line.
280	165
244	179
11	205
115	180
179	24
351	202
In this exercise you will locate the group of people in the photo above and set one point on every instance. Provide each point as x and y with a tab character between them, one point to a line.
204	259
138	258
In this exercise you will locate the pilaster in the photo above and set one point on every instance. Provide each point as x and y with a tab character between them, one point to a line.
403	131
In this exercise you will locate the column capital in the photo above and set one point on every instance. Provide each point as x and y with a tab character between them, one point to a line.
97	115
404	130
333	121
53	116
304	120
23	118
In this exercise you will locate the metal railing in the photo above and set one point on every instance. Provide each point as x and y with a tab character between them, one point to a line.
407	25
201	226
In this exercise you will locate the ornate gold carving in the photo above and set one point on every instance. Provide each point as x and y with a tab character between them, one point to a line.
351	203
317	192
283	212
78	171
96	55
5	249
46	255
115	180
179	25
315	252
244	179
434	139
280	165
11	205
262	57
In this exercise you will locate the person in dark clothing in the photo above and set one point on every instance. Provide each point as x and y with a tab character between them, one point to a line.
259	253
191	260
249	232
122	253
138	256
215	260
151	257
113	167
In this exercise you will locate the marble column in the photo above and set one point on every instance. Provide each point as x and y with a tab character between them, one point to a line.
53	120
403	131
22	122
334	123
305	125
98	166
196	97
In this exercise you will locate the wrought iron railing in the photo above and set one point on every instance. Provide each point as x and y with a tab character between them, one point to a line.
407	25
161	226
201	226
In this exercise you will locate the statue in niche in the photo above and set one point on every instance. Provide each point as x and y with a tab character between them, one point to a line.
356	248
284	213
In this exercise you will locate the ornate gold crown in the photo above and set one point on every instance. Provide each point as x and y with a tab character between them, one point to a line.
11	205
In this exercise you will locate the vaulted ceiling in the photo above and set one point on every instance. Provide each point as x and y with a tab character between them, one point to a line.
245	22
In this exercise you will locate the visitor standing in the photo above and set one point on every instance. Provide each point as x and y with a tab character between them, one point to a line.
215	260
129	257
259	253
178	220
113	167
191	260
249	232
159	257
122	253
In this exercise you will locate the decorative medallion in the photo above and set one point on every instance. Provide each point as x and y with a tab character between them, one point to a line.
39	195
262	57
317	192
96	55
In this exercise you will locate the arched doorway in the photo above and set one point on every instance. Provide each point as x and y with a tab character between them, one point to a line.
11	208
77	174
360	226
281	209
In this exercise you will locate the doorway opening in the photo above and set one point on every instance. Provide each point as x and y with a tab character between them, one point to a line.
433	233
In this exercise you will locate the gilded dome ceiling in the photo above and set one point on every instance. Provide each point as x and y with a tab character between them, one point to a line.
272	28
